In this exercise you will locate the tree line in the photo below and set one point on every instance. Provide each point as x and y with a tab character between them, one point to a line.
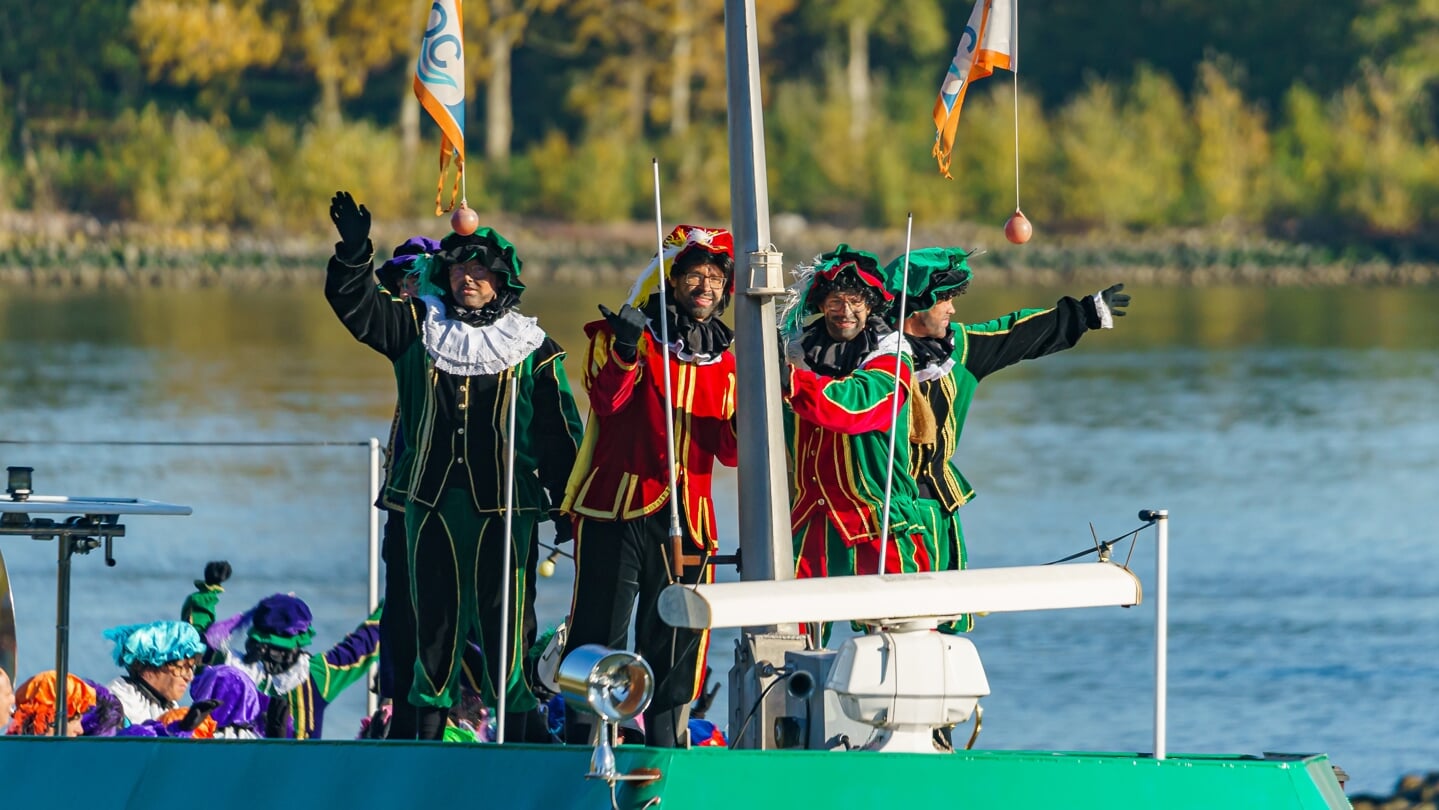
1270	117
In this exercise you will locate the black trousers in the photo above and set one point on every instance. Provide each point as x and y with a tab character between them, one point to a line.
617	563
449	574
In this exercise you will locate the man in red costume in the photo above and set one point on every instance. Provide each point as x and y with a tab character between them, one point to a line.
619	492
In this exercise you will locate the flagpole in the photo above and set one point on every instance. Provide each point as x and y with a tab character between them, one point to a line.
1014	71
884	533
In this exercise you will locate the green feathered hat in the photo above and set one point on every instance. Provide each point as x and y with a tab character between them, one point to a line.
494	252
932	271
843	266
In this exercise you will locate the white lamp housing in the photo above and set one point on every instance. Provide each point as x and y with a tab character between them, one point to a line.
906	684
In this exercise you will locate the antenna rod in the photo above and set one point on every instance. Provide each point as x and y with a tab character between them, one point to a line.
894	410
676	537
503	687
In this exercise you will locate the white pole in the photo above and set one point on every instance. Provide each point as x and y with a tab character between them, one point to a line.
894	411
373	700
665	349
502	687
1161	629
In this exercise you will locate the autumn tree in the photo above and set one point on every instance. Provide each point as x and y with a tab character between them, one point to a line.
917	25
499	26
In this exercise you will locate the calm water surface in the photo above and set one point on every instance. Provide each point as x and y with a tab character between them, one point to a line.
1292	434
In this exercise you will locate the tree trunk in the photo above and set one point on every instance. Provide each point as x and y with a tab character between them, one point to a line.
635	90
409	102
683	66
858	77
499	117
320	50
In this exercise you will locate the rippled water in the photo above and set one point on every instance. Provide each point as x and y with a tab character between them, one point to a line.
1292	434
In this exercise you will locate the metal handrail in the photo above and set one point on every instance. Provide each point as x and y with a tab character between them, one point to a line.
375	482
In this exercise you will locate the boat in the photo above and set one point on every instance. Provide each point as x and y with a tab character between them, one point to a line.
844	731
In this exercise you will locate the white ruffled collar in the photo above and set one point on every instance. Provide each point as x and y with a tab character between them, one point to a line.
934	371
468	351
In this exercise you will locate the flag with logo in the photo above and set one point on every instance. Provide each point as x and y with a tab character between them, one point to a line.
440	86
989	41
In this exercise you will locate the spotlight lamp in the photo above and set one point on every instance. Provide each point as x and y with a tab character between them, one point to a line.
614	684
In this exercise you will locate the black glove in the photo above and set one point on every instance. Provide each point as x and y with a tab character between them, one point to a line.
564	527
1115	300
216	572
707	696
353	223
197	714
628	324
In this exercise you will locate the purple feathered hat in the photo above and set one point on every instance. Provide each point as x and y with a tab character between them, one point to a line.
282	621
105	717
239	702
397	266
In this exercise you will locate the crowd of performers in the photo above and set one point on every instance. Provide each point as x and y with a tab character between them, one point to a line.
488	443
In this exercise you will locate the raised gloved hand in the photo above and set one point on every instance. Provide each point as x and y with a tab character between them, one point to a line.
216	572
706	697
353	223
197	714
1115	300
628	325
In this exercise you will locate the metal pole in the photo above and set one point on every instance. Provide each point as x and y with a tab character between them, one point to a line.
764	529
502	686
62	633
675	535
373	699
894	411
1161	629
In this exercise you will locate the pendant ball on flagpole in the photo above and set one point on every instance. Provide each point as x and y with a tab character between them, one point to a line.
464	221
1017	229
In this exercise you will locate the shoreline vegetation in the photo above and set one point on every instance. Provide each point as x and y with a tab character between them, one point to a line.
73	251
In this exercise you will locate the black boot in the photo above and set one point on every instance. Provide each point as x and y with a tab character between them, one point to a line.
430	722
668	728
529	727
404	722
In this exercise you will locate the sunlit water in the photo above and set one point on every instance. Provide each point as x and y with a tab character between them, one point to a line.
1292	434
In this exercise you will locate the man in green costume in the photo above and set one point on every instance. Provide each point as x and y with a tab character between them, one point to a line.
950	359
847	369
455	375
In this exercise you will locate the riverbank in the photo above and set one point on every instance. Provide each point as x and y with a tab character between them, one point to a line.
1412	792
74	251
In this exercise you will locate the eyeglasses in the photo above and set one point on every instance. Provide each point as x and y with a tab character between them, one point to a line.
471	268
695	279
183	667
839	303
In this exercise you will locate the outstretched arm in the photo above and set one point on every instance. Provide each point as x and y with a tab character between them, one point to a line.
347	662
1030	333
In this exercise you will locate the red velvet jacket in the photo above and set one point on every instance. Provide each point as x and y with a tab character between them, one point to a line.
620	473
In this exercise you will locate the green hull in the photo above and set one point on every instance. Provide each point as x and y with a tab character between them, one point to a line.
141	774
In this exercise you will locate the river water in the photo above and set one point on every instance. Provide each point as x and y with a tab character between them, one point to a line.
1293	434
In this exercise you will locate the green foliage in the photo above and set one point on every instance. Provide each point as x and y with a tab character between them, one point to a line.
1232	155
1164	121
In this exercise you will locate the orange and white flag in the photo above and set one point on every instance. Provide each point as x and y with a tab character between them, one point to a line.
440	85
989	41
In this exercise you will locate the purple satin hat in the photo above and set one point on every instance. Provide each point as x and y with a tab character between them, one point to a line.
239	702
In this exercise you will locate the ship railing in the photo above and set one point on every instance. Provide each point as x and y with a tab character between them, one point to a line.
375	481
